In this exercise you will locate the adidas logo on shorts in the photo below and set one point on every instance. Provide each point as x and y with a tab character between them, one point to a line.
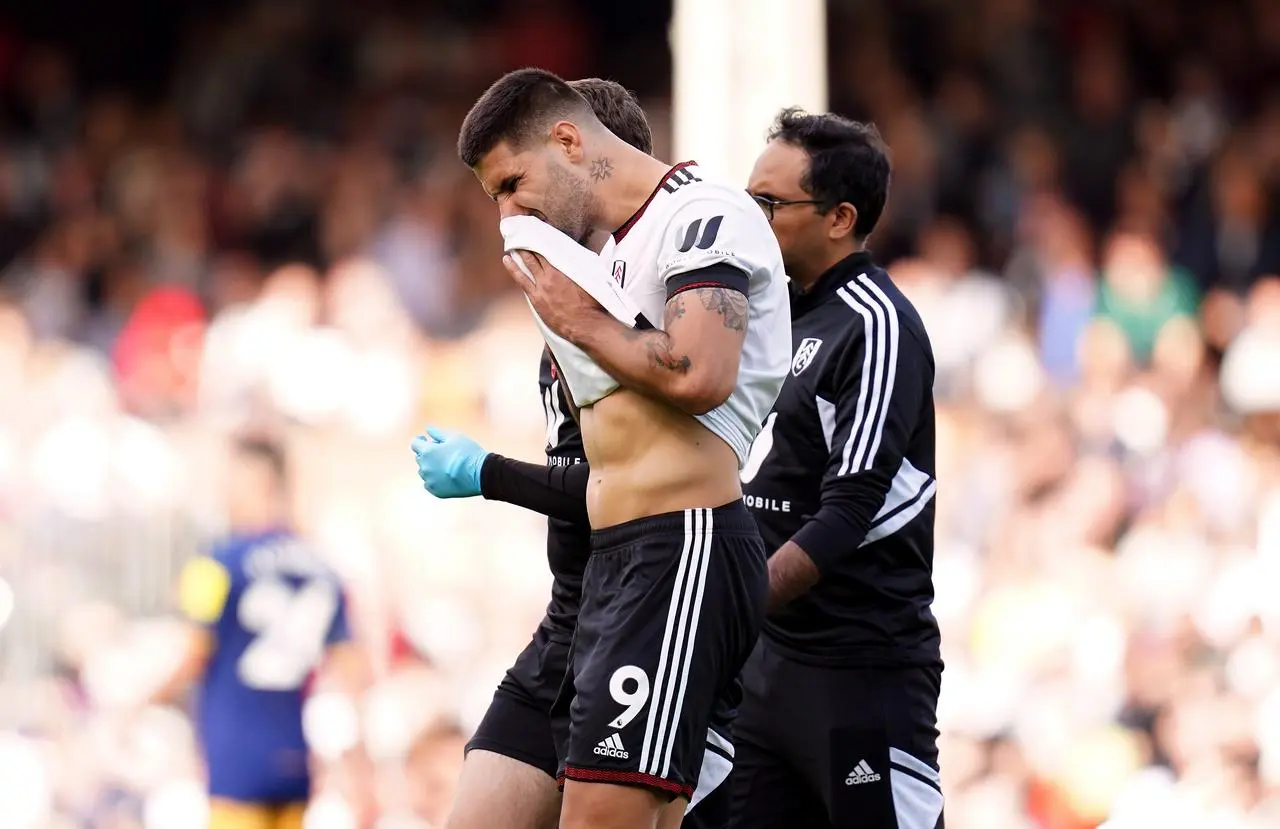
861	773
612	747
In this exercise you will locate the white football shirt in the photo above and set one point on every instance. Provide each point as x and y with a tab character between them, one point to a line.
585	381
689	223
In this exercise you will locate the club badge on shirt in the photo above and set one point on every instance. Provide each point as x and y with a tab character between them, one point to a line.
804	355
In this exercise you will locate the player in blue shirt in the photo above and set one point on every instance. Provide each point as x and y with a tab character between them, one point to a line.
265	612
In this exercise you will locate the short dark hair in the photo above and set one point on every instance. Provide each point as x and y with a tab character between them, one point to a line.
516	107
617	108
267	451
848	162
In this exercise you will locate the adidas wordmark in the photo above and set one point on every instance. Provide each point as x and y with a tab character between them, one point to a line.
612	747
861	773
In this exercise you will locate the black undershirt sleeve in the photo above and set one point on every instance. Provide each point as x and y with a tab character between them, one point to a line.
554	491
719	275
849	505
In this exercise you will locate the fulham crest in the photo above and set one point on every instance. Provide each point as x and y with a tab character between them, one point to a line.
804	355
620	272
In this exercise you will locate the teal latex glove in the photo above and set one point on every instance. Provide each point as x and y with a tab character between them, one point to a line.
449	463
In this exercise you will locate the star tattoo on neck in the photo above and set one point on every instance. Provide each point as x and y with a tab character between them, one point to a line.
601	169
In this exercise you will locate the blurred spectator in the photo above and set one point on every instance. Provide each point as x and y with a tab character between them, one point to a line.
1140	292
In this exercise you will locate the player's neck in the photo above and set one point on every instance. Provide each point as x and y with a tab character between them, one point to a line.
597	239
629	179
258	522
805	281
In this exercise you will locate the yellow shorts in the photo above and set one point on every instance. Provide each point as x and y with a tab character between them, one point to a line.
229	814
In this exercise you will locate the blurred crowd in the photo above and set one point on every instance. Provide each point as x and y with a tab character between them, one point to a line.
1084	210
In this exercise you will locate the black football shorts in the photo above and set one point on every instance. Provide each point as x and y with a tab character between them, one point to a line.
672	606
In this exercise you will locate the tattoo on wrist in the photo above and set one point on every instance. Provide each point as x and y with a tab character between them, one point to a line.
729	304
601	168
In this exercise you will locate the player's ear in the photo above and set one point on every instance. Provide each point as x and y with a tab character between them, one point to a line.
843	218
566	137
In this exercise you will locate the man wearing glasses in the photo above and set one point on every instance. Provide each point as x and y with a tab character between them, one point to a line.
838	722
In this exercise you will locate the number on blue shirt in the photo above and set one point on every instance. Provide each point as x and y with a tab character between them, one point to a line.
291	626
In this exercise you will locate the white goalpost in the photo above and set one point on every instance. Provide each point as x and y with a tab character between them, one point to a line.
737	62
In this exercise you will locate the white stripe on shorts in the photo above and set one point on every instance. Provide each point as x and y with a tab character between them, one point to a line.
715	769
704	563
917	804
677	645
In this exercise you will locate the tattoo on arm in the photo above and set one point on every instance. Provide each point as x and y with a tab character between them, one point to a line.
791	574
673	311
729	304
601	168
658	346
660	351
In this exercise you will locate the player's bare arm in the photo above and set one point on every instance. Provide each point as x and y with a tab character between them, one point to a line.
346	669
792	573
197	649
693	364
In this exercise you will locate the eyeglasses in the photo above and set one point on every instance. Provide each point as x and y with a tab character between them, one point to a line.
768	204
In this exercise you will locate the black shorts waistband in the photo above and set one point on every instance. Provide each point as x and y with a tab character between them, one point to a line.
732	518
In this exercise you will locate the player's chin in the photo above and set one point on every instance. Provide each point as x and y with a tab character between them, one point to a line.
567	223
574	230
582	231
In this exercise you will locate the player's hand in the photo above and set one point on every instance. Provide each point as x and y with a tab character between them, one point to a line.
449	463
563	306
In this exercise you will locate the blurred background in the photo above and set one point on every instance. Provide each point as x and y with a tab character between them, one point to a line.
223	214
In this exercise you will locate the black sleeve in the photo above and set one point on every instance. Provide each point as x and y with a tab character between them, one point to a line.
554	491
874	425
719	275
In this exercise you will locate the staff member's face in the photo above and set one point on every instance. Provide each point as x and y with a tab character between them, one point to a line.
806	228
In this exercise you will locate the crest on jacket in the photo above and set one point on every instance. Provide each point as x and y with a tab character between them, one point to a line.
804	355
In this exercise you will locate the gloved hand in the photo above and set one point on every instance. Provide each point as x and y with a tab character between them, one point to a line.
449	463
